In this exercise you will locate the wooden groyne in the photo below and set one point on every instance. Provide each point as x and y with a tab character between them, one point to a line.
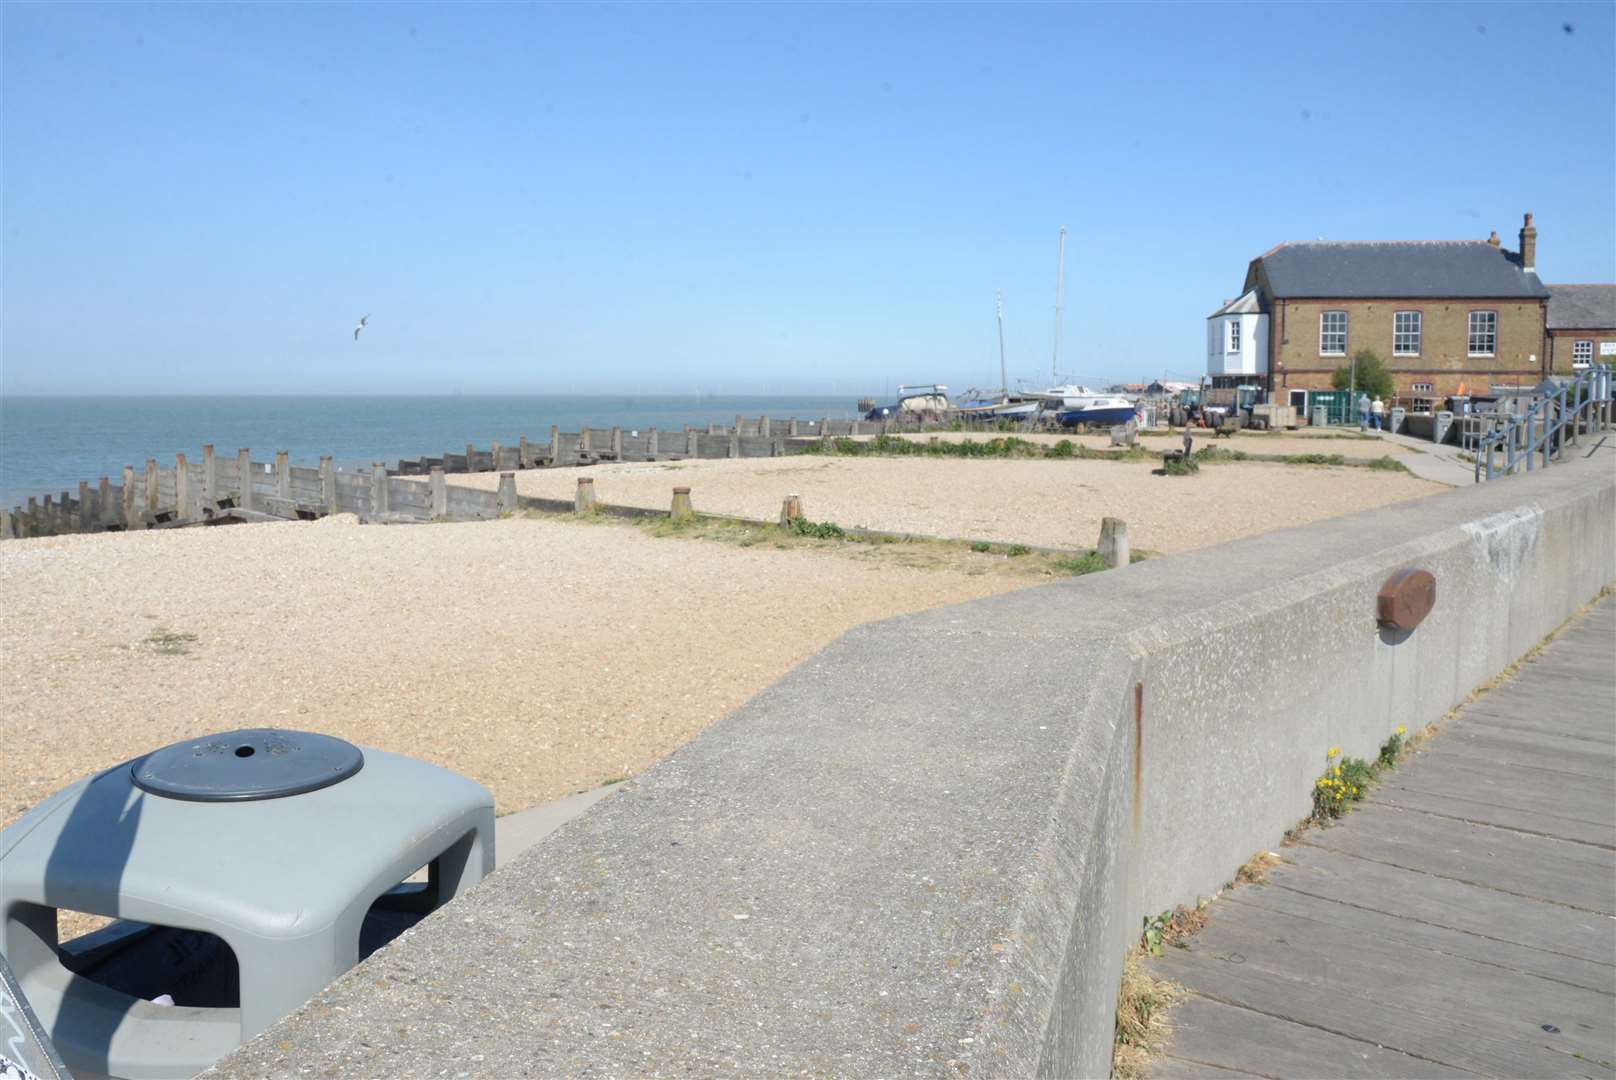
221	488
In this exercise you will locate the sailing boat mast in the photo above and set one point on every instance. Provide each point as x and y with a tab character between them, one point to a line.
1060	288
1004	380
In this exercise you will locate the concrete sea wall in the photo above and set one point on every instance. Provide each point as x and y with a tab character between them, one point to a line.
925	850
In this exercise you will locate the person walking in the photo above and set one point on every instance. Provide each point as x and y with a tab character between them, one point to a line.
1377	412
1363	411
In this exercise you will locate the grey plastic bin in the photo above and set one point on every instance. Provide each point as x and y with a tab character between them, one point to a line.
247	871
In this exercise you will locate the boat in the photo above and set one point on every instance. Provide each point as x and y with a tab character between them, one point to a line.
1075	406
931	398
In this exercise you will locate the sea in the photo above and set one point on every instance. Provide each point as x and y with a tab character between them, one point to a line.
49	444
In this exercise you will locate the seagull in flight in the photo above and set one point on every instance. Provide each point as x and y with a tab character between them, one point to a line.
360	327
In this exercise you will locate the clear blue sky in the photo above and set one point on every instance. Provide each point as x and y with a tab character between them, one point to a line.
744	198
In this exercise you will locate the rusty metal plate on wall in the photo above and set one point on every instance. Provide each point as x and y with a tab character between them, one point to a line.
1406	599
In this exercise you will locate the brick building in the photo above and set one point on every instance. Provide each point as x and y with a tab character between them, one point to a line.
1442	315
1581	326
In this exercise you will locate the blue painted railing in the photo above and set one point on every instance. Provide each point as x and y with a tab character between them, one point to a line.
1552	422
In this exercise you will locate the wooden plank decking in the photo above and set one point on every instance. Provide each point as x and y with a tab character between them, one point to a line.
1461	922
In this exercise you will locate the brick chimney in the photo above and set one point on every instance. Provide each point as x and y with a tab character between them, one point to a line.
1493	239
1528	245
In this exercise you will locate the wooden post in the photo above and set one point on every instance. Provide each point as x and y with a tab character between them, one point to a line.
790	510
131	517
584	500
183	510
651	444
378	489
692	448
738	422
824	426
763	426
735	441
1113	546
617	443
712	428
583	443
328	484
244	478
154	495
34	523
524	456
855	428
681	509
283	476
791	428
84	516
210	480
555	445
505	496
493	457
106	514
471	458
440	494
6	532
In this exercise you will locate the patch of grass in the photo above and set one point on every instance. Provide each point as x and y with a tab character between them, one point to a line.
1141	1027
981	546
819	530
1216	454
1010	447
1180	466
1015	551
1362	437
1313	459
166	642
1386	463
1078	565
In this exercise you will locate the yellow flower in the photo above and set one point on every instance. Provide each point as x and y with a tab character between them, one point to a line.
1401	729
1334	750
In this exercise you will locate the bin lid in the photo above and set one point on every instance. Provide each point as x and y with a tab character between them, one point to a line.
240	766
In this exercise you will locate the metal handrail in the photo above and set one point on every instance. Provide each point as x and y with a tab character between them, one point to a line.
1549	424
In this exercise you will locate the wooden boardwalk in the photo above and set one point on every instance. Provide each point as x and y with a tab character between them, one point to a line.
1460	922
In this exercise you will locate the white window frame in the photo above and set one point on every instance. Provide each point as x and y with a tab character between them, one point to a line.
1421	388
1582	353
1323	315
1233	335
1488	335
1406	340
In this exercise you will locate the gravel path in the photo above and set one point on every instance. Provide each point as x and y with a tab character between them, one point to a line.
1048	503
538	657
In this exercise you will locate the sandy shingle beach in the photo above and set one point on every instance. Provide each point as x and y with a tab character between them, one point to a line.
1041	502
545	656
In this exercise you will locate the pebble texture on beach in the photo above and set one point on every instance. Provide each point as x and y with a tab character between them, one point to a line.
537	657
1042	502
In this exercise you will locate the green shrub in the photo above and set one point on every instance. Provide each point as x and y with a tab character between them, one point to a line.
1387	463
1372	378
819	530
1180	467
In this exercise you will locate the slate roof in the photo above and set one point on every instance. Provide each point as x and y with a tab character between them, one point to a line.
1397	269
1582	307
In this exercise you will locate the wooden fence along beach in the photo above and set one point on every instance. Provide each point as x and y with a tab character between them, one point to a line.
220	488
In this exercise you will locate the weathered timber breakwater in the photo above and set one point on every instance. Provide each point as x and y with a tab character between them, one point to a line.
216	488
